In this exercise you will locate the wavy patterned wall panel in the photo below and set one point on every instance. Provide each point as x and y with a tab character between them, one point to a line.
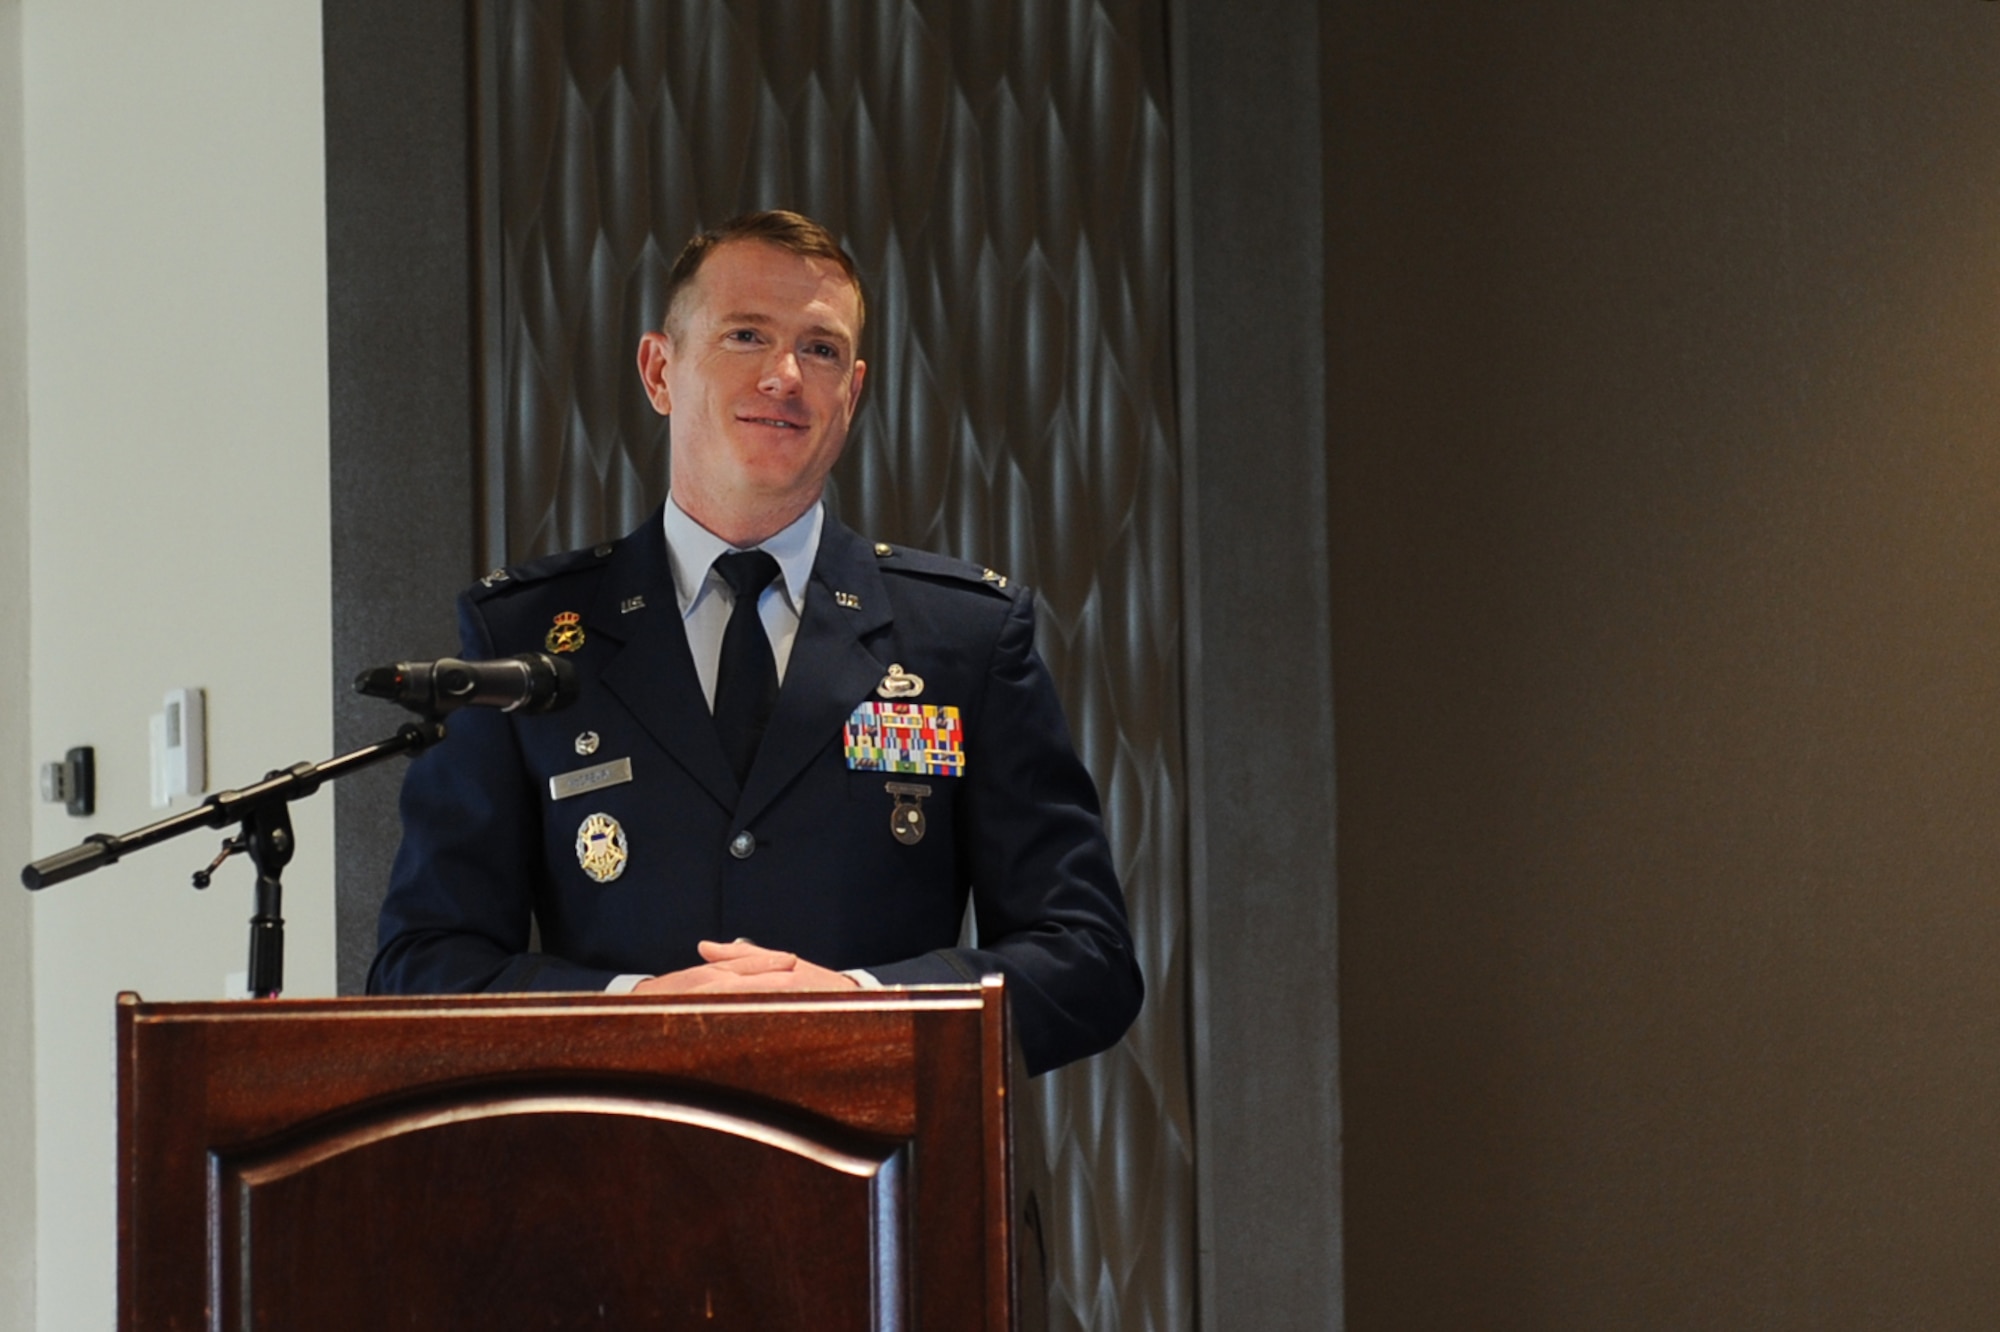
1001	172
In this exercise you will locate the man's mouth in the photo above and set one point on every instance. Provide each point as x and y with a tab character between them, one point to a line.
773	421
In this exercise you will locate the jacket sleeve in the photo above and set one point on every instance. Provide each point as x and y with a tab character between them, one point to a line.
1046	901
462	891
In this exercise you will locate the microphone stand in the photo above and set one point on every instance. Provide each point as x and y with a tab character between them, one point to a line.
263	813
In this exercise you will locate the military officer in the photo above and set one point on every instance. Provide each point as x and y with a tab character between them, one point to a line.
795	754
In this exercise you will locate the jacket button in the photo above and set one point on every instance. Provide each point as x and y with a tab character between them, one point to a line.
742	845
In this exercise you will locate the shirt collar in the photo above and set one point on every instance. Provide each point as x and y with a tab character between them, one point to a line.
692	548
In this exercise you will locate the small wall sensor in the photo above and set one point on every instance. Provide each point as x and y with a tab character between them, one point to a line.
180	746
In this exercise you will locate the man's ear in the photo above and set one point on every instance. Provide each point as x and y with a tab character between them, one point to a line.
854	386
656	359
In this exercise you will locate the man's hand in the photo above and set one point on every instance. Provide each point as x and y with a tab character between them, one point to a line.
740	966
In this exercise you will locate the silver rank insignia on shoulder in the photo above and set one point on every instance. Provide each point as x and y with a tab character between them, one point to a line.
497	576
630	604
899	683
600	848
586	744
906	818
847	601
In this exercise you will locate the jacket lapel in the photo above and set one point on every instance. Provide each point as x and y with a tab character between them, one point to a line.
830	672
652	672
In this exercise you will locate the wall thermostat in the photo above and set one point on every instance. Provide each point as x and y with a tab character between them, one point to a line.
180	746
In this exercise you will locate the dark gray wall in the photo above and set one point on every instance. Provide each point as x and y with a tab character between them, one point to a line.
1247	93
400	365
1665	385
1267	1105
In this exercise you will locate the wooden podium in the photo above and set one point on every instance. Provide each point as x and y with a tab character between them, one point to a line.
823	1161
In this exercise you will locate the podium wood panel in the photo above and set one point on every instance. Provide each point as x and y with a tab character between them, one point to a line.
836	1161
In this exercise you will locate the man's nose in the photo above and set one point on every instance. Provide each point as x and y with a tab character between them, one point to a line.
782	374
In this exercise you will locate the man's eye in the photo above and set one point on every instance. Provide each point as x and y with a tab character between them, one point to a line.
824	350
741	335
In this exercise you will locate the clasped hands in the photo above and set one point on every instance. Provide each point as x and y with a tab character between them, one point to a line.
743	966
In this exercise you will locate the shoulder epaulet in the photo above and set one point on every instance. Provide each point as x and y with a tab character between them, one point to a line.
508	577
902	559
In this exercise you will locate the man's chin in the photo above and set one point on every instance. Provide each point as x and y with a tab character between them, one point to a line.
775	474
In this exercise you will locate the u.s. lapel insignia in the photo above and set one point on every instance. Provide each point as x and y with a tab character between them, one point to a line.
899	683
847	601
566	634
630	604
906	817
600	848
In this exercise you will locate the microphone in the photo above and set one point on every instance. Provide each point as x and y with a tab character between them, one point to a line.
529	682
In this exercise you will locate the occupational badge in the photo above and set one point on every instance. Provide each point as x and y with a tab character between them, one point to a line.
600	848
899	683
566	635
906	817
905	737
587	743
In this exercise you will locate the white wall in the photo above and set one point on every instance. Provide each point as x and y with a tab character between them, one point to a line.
17	1125
176	372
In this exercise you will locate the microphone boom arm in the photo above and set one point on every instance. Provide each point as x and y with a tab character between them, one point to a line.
264	813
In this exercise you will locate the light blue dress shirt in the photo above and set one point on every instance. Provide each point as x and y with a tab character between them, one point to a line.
706	603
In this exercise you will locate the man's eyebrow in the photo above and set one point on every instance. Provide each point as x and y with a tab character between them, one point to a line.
830	333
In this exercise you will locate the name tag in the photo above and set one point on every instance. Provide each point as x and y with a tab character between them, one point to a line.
565	785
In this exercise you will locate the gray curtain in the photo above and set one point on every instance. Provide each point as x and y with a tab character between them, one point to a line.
1002	174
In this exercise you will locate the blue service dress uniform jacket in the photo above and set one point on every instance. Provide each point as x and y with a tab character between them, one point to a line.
803	857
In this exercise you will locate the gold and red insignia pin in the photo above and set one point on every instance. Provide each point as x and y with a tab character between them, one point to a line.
566	635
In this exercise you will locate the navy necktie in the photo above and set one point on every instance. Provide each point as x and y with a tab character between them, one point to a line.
746	677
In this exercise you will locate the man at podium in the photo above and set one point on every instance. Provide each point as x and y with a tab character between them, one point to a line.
795	753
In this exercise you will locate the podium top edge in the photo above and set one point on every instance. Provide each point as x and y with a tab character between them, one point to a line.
916	997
